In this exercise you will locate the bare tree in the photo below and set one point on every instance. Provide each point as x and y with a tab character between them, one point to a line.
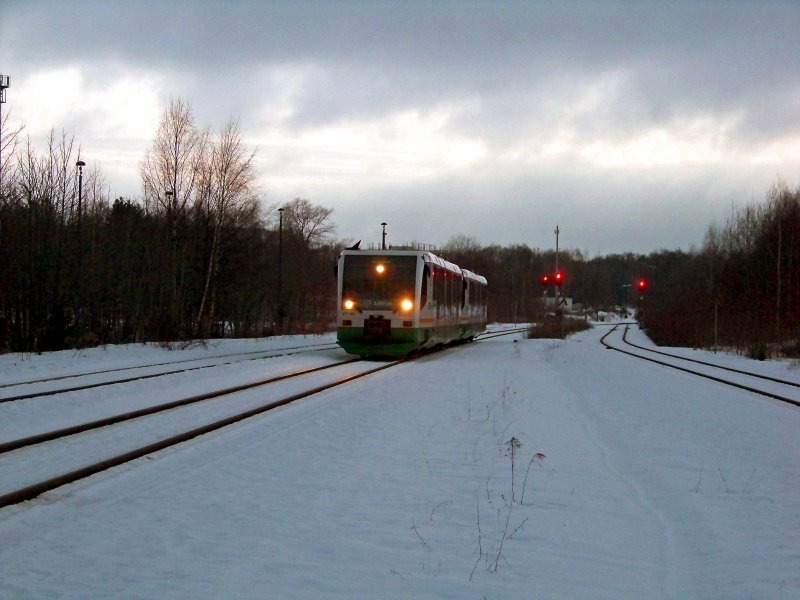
9	138
226	189
171	165
47	188
170	172
309	221
463	244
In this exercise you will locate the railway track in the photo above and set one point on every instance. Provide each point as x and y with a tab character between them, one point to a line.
776	388
34	464
45	461
88	380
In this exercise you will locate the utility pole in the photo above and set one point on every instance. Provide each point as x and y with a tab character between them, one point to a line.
556	232
383	237
558	287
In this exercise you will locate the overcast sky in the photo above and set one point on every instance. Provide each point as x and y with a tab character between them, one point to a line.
632	125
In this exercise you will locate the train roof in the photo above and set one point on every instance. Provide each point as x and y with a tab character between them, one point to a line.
427	256
473	276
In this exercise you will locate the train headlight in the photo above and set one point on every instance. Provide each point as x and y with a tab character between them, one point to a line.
380	269
349	304
406	305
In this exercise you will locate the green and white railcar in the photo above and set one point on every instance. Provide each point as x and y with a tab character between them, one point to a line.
393	302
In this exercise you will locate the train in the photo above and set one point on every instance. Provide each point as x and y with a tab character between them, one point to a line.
393	303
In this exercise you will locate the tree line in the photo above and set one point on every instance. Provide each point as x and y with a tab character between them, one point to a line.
745	279
740	290
198	255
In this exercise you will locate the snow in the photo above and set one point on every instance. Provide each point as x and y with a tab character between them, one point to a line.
630	481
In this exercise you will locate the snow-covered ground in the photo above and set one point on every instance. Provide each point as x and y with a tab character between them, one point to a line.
502	469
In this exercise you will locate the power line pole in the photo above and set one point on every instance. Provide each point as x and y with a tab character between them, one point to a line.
556	232
558	287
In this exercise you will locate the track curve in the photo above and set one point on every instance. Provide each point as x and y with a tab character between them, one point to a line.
721	369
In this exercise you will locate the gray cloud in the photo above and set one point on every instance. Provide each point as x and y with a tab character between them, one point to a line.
633	124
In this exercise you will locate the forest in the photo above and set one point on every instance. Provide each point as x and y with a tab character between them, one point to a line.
199	256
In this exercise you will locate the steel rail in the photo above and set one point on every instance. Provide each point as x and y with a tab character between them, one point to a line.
31	491
268	354
88	386
708	364
698	373
151	410
491	334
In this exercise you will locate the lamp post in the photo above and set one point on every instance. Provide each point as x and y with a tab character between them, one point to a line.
280	270
168	201
80	164
171	217
383	237
78	280
173	240
3	85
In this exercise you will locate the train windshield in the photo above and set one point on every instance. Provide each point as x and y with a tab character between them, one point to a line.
379	282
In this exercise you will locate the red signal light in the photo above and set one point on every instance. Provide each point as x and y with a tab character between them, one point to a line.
558	277
545	280
641	285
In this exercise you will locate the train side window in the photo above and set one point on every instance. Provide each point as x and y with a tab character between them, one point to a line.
439	290
464	286
424	291
457	294
451	294
442	292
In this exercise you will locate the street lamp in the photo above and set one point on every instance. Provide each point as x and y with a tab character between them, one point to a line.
3	86
383	237
78	280
80	164
280	269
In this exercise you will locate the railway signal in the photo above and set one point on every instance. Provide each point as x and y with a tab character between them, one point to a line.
641	285
558	277
545	280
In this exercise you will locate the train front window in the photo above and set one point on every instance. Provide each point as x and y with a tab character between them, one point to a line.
379	282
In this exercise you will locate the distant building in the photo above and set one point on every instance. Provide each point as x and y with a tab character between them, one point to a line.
564	303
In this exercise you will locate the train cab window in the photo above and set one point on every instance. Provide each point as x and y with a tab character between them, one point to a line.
379	282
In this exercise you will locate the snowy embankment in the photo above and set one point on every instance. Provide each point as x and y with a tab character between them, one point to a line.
502	469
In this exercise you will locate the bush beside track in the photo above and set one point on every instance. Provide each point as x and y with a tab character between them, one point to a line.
554	327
